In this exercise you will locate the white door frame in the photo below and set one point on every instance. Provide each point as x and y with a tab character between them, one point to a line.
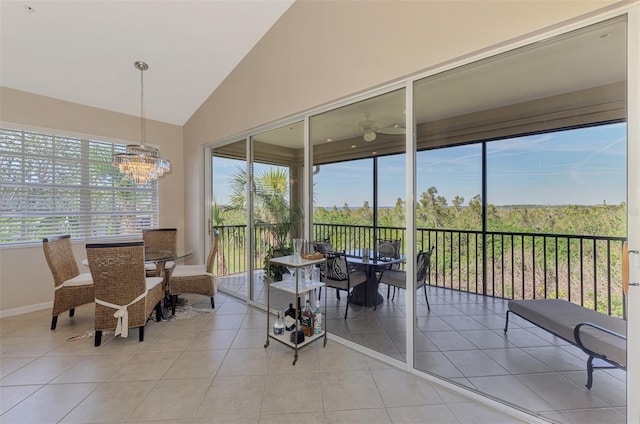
633	213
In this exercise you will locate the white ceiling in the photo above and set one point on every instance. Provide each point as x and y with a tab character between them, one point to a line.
83	51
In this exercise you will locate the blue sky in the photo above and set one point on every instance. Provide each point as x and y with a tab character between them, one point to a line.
584	167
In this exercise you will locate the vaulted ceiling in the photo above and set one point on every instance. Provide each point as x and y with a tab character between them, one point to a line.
83	51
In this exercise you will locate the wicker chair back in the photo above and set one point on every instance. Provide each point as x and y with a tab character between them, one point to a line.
119	278
160	239
62	263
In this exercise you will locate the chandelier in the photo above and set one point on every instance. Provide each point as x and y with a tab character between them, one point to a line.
141	164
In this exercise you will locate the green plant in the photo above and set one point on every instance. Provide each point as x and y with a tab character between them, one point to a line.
275	272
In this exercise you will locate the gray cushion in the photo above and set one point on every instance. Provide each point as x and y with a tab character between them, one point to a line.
395	278
561	317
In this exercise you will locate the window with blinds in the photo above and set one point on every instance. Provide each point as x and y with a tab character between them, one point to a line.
52	185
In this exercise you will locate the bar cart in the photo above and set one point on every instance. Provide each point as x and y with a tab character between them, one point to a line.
296	287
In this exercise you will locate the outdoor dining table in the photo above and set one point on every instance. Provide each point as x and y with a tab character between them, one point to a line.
367	294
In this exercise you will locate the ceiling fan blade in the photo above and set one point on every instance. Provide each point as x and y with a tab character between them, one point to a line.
392	130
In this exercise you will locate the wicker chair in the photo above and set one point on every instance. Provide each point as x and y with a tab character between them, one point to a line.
398	279
71	287
159	239
341	276
121	285
197	279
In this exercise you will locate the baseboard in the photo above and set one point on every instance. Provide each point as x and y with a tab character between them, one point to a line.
26	309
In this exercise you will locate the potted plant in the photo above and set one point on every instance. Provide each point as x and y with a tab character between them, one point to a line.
287	220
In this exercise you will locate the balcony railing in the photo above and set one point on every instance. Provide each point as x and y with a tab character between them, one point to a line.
582	269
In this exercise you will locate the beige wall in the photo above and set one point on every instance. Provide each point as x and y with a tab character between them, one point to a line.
322	51
25	280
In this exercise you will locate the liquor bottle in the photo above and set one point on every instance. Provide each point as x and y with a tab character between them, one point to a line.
317	320
290	318
307	320
278	326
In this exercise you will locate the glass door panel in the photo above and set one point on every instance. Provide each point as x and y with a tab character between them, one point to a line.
358	156
521	166
277	168
229	216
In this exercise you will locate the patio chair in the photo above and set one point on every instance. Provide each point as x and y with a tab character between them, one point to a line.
341	276
398	278
71	288
159	239
323	246
125	296
389	249
198	279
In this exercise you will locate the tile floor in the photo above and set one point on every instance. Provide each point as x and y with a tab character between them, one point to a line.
211	368
462	339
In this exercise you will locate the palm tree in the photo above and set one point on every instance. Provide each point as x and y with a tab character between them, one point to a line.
271	201
271	207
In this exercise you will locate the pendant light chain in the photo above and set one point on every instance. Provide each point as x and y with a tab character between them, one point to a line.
142	66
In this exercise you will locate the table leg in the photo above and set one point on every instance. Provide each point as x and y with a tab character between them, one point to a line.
167	298
367	294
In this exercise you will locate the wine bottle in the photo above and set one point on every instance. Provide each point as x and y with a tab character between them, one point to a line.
307	319
290	318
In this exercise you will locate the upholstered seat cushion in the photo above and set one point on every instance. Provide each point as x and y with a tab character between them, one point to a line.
355	278
83	279
395	278
561	317
153	281
190	271
150	266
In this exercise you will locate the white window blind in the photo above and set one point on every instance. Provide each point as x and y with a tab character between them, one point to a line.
52	185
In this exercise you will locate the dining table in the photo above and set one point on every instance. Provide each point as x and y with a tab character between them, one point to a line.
367	294
161	257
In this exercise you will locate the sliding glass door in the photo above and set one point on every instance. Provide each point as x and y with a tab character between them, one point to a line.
358	156
229	216
521	176
277	174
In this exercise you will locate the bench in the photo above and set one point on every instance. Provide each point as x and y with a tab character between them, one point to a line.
602	337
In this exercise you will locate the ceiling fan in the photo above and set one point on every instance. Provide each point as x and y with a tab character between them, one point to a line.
371	128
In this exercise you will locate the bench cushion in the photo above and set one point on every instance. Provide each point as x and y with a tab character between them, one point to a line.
560	317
